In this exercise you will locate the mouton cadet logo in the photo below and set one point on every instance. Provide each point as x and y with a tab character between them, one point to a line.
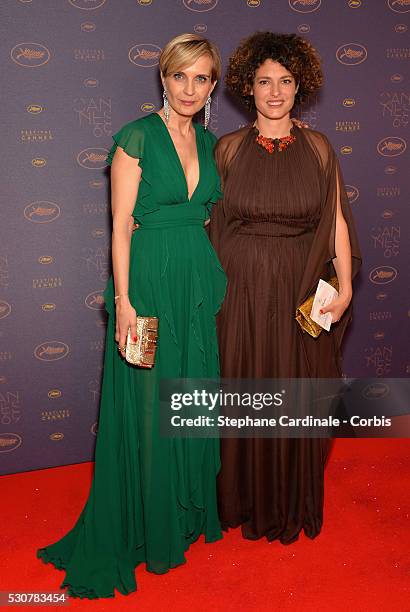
200	6
399	6
87	5
42	211
305	6
30	55
144	55
351	54
391	146
9	442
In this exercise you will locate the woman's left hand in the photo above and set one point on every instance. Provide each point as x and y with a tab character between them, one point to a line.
131	225
337	307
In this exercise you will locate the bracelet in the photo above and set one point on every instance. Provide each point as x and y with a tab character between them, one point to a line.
119	295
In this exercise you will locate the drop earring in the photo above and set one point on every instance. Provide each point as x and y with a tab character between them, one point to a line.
166	106
207	112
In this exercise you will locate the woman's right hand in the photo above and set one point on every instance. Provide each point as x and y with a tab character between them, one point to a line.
126	317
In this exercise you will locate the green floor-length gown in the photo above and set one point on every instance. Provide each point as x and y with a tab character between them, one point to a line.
152	496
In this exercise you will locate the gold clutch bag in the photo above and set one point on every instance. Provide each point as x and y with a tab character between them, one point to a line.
304	310
142	352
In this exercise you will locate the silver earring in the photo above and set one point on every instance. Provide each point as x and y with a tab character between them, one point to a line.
166	106
207	112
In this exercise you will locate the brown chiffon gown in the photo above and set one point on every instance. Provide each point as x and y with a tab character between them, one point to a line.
274	233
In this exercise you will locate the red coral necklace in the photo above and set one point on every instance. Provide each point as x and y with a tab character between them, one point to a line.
270	144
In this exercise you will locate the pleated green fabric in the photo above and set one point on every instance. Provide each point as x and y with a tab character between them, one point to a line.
152	496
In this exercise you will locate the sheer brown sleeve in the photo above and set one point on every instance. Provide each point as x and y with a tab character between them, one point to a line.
323	251
225	151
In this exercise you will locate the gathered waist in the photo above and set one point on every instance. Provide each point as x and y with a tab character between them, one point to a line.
277	228
170	224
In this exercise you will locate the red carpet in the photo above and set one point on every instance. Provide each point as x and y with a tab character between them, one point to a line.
360	561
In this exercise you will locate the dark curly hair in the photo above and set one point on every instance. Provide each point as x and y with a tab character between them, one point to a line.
295	53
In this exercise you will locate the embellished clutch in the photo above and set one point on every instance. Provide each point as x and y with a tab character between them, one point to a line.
142	352
304	310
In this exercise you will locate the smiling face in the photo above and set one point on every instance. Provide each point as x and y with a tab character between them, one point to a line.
274	89
188	89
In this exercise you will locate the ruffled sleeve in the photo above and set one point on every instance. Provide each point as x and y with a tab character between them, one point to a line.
217	192
217	195
130	138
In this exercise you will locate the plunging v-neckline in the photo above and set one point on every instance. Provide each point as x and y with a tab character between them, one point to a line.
189	199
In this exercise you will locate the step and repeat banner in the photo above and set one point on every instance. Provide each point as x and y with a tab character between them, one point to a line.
74	72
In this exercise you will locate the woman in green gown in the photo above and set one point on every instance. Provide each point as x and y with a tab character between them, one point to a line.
152	496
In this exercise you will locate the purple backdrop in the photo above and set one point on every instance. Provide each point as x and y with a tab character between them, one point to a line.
74	73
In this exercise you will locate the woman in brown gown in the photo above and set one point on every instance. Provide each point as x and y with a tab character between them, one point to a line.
284	223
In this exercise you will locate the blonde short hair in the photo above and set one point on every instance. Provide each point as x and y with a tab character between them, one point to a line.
184	50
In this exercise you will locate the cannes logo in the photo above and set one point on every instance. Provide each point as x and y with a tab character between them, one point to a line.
91	82
145	55
346	150
303	28
48	307
399	6
375	391
400	28
45	259
87	5
51	350
200	6
144	2
355	4
200	28
351	54
98	232
38	162
390	170
88	26
379	335
9	442
253	3
5	309
54	393
96	184
42	212
94	429
92	158
147	107
349	102
56	436
95	300
352	193
392	146
305	6
30	55
381	296
382	275
35	109
387	214
396	78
